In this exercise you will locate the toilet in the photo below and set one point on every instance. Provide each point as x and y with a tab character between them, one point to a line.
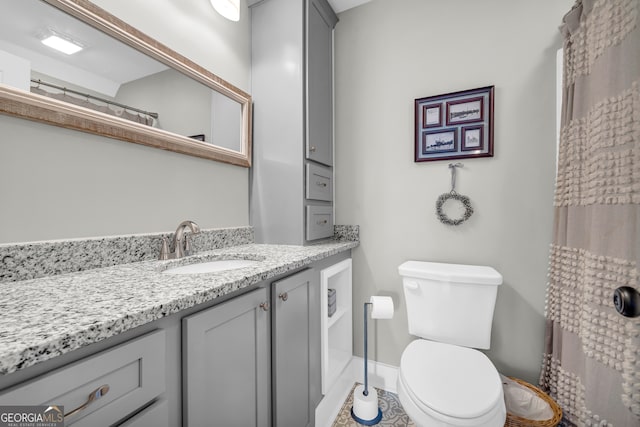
443	380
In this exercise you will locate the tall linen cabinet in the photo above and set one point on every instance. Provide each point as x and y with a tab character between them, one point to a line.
292	90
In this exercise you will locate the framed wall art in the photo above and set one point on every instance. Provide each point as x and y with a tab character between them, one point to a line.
455	125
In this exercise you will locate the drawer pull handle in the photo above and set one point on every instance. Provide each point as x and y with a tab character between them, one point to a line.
323	222
312	148
321	184
95	395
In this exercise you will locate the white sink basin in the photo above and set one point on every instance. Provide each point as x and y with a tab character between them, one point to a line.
211	266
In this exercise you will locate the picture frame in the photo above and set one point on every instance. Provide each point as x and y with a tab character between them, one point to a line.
439	141
464	111
472	138
432	115
454	125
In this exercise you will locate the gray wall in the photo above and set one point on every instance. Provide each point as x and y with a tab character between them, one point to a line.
389	53
56	183
186	112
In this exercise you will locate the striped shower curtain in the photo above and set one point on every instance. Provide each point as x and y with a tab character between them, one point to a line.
592	356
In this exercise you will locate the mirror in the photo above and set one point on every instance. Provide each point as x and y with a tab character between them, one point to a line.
113	86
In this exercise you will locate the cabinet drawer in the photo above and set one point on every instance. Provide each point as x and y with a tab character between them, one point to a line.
319	222
133	371
319	183
156	415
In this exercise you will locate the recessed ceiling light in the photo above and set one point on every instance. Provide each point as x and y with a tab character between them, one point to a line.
62	44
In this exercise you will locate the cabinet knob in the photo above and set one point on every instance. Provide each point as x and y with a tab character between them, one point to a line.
312	148
264	306
321	184
283	296
323	222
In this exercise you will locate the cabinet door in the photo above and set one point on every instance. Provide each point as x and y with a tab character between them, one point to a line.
226	369
296	349
320	82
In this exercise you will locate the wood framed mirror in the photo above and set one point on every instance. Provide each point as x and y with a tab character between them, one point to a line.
210	140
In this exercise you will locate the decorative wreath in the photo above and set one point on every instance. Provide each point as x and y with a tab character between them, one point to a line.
468	210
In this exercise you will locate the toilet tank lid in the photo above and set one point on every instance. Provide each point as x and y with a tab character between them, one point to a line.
453	273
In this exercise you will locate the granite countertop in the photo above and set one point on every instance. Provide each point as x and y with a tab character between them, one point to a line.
46	317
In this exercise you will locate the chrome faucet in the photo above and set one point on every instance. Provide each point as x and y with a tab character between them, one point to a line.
180	244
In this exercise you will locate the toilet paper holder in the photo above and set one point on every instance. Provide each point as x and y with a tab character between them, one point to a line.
365	408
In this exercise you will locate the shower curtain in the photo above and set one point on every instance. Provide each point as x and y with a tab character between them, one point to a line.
591	363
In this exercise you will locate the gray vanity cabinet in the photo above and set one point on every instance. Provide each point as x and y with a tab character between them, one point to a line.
251	359
296	349
129	376
226	370
255	358
292	91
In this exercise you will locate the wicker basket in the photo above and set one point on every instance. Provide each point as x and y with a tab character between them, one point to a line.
515	421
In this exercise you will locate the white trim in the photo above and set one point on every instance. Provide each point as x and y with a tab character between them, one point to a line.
337	331
331	403
381	376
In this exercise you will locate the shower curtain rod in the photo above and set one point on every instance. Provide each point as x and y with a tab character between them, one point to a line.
86	95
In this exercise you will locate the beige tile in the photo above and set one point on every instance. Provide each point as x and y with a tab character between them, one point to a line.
393	414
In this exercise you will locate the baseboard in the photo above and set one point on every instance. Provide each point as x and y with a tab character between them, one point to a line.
331	403
381	376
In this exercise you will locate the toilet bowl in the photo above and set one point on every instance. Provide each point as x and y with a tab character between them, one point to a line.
443	380
446	385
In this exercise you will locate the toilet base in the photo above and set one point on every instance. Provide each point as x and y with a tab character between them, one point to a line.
494	418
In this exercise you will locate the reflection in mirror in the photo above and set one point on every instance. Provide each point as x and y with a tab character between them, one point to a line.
150	94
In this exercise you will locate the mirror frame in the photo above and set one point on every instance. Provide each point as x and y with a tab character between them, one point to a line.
31	106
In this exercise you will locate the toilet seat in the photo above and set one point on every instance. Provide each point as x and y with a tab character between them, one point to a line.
451	383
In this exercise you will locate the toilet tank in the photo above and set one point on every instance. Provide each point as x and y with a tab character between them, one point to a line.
450	303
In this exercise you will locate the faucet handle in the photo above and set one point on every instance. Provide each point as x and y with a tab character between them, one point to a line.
187	245
164	249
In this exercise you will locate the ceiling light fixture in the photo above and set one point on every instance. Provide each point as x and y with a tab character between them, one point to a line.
230	9
61	43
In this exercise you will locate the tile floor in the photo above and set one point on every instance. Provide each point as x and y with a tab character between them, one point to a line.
392	413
